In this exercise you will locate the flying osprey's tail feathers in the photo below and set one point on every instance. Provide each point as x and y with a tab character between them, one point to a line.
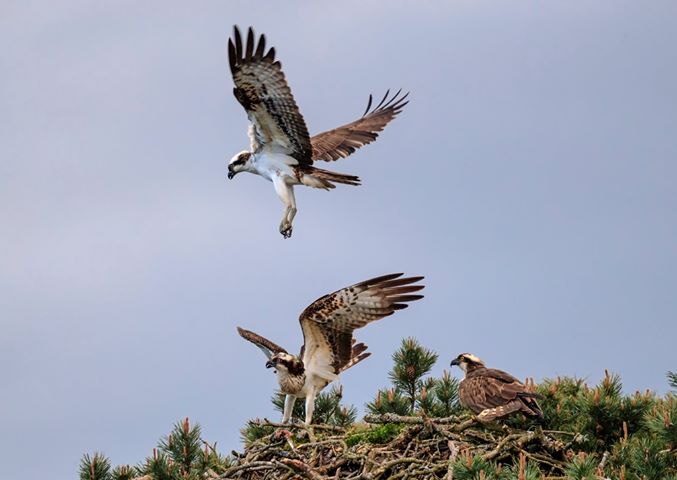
359	353
318	178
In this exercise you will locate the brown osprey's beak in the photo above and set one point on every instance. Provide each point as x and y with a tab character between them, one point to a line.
454	362
269	363
231	173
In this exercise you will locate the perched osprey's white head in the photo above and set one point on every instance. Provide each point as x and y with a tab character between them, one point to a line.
239	163
467	361
286	363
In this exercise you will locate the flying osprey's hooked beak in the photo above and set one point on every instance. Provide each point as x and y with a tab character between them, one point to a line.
455	362
231	173
269	363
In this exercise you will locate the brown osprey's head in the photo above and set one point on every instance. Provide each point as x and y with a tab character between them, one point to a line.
239	163
467	361
286	363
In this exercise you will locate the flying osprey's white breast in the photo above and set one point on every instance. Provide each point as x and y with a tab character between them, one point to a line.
268	164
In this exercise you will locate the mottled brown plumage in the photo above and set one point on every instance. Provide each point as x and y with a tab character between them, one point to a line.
491	393
328	323
328	344
281	150
262	89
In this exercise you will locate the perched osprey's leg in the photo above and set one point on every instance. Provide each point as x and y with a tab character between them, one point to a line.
286	194
289	401
310	405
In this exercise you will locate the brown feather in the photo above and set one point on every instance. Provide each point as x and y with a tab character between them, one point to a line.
260	341
262	89
343	141
495	390
337	315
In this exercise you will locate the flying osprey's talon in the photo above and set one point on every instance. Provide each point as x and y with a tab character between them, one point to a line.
286	231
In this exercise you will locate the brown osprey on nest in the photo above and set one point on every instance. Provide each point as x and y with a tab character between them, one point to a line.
491	393
281	150
328	345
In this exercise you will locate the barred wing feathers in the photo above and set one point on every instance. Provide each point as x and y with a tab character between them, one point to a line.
329	322
262	89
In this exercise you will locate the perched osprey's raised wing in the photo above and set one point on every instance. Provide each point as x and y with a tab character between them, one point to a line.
493	393
281	148
328	323
328	344
267	347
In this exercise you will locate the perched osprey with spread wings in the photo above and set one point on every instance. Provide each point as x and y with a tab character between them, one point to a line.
328	344
281	150
492	393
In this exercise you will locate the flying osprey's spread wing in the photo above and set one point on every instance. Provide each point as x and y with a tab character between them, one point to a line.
267	347
261	88
328	323
497	391
342	141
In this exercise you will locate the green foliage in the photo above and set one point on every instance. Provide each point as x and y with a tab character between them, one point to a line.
375	435
583	467
411	393
328	408
160	467
254	431
522	470
446	396
96	467
183	446
124	472
389	401
560	402
179	456
470	467
672	379
412	362
662	422
329	411
644	457
606	413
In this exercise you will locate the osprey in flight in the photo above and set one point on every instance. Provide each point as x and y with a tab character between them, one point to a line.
493	393
328	344
281	150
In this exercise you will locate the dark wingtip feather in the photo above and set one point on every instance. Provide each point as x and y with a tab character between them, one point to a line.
238	43
382	278
250	44
260	48
368	105
232	59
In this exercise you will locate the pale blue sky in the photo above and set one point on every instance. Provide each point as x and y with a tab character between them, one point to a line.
532	179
